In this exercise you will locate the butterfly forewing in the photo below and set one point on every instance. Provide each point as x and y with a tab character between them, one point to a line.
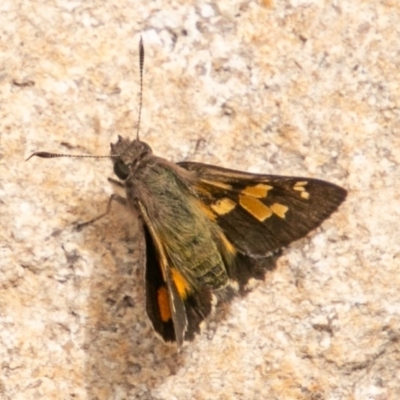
262	213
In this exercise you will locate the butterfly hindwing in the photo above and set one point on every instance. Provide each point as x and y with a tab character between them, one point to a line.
175	309
164	305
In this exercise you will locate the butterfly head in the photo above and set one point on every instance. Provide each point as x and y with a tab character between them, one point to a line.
127	154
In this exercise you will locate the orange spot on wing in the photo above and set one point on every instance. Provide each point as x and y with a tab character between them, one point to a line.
181	284
255	207
223	206
260	190
163	304
279	209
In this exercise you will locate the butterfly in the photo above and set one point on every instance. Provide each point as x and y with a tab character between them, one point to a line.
206	231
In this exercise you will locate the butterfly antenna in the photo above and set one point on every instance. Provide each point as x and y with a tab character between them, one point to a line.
141	63
45	154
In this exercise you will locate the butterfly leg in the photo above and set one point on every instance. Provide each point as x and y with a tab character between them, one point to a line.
113	197
116	183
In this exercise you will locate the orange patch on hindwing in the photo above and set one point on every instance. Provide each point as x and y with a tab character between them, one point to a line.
163	304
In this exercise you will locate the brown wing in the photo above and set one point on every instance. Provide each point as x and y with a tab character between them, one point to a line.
262	213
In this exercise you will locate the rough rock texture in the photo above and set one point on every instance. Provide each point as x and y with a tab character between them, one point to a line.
286	87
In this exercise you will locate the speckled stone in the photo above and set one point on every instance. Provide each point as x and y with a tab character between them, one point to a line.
298	87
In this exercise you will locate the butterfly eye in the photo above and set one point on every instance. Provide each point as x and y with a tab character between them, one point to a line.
121	169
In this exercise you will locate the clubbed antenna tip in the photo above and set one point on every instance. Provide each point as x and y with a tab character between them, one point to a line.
141	63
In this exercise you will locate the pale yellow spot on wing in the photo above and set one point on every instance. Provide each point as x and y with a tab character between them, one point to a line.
299	187
305	195
163	304
181	284
218	184
255	207
279	209
223	206
260	190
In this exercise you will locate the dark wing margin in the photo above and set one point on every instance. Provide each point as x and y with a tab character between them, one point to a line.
262	213
246	268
